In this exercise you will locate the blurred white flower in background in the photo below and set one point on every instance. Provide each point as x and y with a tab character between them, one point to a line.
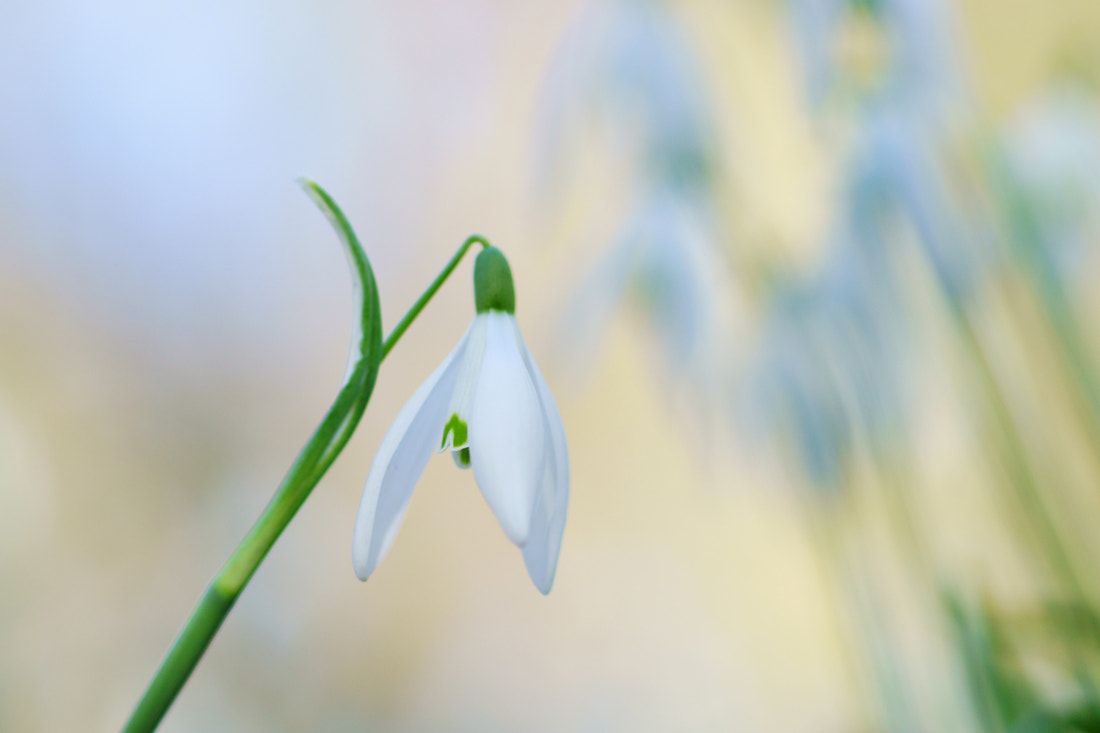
625	74
786	396
1052	149
662	263
895	179
625	69
900	48
867	337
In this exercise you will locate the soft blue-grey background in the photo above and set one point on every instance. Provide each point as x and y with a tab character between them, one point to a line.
174	317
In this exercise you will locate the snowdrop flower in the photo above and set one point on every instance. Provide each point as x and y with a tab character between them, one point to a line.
790	391
666	262
897	174
1052	150
918	57
487	404
865	334
625	68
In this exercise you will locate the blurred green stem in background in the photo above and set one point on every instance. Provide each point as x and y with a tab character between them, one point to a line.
1030	245
368	351
894	473
1010	452
858	617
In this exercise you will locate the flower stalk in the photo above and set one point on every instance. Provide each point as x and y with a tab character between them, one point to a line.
366	355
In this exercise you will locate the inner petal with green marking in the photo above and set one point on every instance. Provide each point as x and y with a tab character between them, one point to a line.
455	439
454	434
461	457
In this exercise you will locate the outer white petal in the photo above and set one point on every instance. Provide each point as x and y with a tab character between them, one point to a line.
540	554
507	432
401	458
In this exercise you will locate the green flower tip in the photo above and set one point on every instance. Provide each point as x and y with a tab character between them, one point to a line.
493	288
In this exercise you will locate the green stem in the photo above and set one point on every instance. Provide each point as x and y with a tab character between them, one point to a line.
404	323
223	592
1010	448
825	536
1031	246
318	454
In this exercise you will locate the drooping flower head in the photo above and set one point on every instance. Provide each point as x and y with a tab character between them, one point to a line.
488	404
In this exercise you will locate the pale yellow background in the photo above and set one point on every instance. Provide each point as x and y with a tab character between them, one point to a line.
152	395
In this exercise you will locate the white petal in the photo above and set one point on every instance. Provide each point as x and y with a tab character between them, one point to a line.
540	554
400	460
507	433
468	370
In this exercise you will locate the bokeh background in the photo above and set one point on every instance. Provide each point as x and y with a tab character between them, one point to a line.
812	282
